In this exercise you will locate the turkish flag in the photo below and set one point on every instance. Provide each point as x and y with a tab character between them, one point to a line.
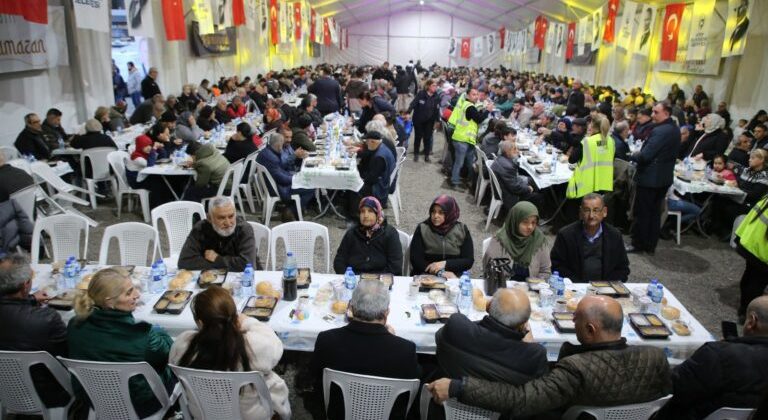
540	34
326	32
672	19
297	20
502	35
312	25
31	10
571	40
238	13
173	18
465	42
274	31
610	23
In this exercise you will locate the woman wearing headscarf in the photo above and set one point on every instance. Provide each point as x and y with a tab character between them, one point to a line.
145	155
522	242
187	128
712	140
441	244
373	246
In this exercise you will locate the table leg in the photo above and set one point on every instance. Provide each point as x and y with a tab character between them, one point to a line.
330	206
168	184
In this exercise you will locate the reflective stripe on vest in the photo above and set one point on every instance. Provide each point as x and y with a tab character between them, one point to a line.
465	130
752	231
595	170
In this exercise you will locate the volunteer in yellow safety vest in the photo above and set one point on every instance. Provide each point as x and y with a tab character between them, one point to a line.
752	239
466	118
595	169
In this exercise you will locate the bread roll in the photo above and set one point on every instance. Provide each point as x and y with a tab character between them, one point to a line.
339	307
670	312
85	282
181	280
264	288
478	299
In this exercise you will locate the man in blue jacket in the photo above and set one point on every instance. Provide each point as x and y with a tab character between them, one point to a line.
273	159
328	92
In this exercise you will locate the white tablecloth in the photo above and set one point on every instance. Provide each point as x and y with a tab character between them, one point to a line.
128	136
328	177
404	316
561	175
701	185
165	169
69	151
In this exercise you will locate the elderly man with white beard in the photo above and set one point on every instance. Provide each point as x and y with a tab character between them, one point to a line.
222	240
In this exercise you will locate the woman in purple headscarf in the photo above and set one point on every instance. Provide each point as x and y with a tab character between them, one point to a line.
442	245
373	246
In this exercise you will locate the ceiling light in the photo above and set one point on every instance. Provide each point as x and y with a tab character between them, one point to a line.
421	2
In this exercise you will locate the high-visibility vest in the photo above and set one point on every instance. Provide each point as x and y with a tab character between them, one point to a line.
751	231
465	130
595	170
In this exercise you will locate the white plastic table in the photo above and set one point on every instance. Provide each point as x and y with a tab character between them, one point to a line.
166	170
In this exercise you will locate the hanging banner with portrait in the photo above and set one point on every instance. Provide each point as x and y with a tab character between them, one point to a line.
736	27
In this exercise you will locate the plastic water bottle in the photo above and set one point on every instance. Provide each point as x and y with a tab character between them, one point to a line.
68	275
290	269
688	167
350	280
62	145
157	280
246	282
163	271
560	287
656	298
652	287
290	274
553	279
554	163
465	297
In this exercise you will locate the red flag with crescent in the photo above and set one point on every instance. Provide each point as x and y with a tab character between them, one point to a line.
31	10
297	20
173	18
274	31
672	19
465	47
312	25
571	40
540	34
326	32
502	36
610	22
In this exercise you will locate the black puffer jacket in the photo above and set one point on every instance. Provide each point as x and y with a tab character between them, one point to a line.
382	253
15	227
614	374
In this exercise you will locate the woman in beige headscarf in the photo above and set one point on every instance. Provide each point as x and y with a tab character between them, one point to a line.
712	140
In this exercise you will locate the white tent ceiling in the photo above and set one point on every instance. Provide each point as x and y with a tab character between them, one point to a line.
492	14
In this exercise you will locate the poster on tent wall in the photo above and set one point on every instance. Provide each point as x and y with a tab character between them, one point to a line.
490	44
222	13
251	15
532	56
736	27
643	32
220	43
508	42
583	35
91	14
453	47
597	19
630	18
710	65
698	37
140	18
33	46
559	39
477	46
203	14
263	20
550	42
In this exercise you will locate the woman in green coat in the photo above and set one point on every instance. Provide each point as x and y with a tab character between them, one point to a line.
104	330
210	165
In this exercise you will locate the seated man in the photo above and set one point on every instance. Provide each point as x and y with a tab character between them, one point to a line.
376	166
498	347
602	371
521	113
729	373
365	346
150	108
28	326
52	129
31	141
223	240
588	249
14	179
276	159
514	187
93	137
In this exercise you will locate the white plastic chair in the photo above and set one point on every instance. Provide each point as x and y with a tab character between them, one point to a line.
133	241
178	220
394	197
679	216
482	180
232	178
368	397
217	394
64	230
454	410
17	390
496	203
400	152
26	199
642	411
486	244
405	243
22	164
117	162
264	181
106	384
727	413
736	224
247	187
299	238
60	190
99	164
261	232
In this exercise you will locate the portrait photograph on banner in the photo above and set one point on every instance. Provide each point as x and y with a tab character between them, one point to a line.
453	46
584	29
597	25
222	13
477	46
631	13
490	43
93	15
560	29
736	27
140	18
644	31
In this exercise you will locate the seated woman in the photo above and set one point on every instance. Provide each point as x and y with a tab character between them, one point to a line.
371	247
301	135
442	245
145	155
720	171
187	128
206	120
242	143
211	166
522	242
236	109
366	106
753	180
226	341
104	330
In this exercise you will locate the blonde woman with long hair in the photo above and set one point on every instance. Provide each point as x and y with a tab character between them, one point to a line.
104	330
594	172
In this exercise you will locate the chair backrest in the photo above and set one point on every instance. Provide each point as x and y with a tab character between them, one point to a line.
17	391
727	413
405	243
299	238
22	164
116	160
45	172
248	167
133	241
495	187
395	172
98	160
455	410
178	219
26	199
642	411
264	181
235	173
10	152
486	244
64	231
106	384
368	397
400	152
261	232
217	394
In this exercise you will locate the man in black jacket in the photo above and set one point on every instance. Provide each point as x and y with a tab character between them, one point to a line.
14	179
30	141
365	346
426	111
152	107
223	240
589	249
575	105
729	373
514	187
149	87
655	172
93	137
52	129
328	92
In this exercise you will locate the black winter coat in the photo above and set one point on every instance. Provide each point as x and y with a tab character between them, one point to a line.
234	251
29	142
426	108
149	87
328	92
710	145
567	254
15	227
656	160
453	263
382	253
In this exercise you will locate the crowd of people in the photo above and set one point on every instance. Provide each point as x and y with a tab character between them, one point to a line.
623	151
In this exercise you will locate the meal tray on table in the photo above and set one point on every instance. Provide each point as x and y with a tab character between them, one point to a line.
173	302
386	278
563	321
534	160
211	277
429	282
64	300
260	307
649	326
304	278
432	313
614	289
543	170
